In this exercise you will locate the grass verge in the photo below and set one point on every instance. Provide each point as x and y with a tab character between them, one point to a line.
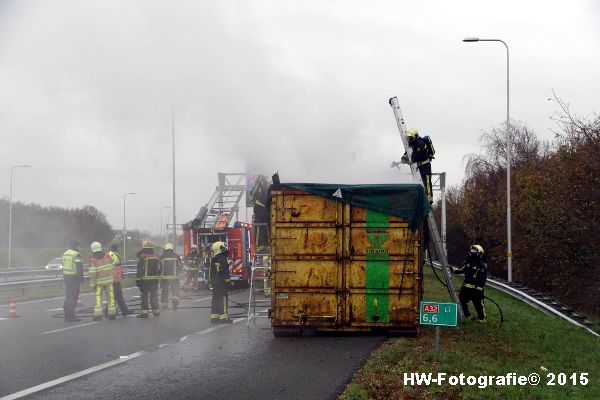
529	341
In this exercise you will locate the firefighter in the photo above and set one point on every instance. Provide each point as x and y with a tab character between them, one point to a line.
475	271
220	280
101	280
118	277
73	276
422	154
148	272
171	266
193	262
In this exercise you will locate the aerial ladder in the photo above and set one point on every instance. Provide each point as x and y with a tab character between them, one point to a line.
224	204
433	231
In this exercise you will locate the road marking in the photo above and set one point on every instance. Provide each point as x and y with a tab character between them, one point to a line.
67	328
55	309
206	298
214	328
183	338
70	377
58	298
3	319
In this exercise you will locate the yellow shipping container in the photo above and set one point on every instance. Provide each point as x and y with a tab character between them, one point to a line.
337	266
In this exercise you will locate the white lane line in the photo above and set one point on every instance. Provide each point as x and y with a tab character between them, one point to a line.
183	339
58	298
3	319
70	377
67	328
205	298
55	309
215	328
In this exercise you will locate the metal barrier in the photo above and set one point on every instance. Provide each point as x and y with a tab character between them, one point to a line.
252	296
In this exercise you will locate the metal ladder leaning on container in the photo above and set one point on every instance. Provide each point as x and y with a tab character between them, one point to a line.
433	231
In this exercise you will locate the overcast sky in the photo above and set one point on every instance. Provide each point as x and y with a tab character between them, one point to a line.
87	89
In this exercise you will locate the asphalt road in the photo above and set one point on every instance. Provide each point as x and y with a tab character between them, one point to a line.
178	355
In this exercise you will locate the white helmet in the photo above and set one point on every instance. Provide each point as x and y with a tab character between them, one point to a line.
218	248
412	132
96	246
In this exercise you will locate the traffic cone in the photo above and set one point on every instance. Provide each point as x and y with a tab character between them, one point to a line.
79	303
12	308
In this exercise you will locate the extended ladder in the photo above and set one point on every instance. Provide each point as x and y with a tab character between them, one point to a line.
433	231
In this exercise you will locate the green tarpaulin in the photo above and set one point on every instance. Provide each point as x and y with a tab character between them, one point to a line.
407	201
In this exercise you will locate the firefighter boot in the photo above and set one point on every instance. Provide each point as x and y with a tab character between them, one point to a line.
175	303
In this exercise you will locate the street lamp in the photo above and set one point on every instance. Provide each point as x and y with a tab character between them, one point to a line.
125	226
508	212
162	229
10	213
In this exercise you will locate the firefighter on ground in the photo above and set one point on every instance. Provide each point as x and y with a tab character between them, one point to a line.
148	272
169	277
118	277
475	271
73	276
193	262
422	154
220	281
101	280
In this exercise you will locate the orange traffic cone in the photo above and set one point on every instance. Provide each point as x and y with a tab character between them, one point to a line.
12	308
79	303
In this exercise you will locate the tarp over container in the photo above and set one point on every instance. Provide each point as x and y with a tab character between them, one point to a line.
407	201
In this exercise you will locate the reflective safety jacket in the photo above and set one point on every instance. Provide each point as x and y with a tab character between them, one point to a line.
72	265
101	269
219	270
148	266
475	272
193	260
171	265
420	153
118	271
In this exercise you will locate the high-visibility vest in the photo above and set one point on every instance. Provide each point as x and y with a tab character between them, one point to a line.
169	267
118	271
101	271
193	261
152	267
70	260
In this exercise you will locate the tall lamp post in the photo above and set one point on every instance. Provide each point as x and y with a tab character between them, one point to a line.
162	228
10	214
125	226
508	211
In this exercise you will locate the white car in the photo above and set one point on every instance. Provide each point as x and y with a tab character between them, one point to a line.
55	264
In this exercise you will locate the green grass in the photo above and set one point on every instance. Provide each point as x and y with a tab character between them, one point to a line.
529	341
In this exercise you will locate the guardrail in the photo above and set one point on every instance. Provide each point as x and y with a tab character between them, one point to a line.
42	283
535	299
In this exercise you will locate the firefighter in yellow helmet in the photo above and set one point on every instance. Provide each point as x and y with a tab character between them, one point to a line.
475	271
148	273
101	280
169	277
220	281
422	154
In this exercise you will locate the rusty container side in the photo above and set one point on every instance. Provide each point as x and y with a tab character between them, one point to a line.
340	267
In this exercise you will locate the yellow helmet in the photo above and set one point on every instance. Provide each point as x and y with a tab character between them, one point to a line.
168	246
218	248
147	244
412	132
477	248
96	246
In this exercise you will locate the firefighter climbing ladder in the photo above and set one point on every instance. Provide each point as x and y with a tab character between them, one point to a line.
433	231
